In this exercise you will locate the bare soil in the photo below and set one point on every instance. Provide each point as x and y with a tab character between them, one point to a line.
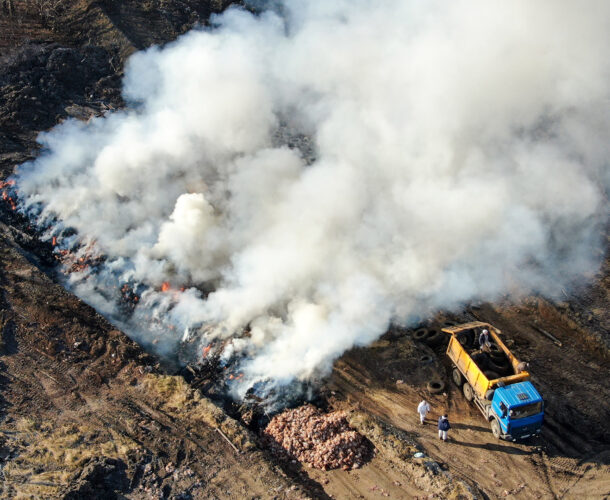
86	413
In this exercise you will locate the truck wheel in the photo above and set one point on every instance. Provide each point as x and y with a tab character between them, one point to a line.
468	392
457	377
435	386
495	428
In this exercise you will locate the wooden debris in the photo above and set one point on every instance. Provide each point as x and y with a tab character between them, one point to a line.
555	340
227	440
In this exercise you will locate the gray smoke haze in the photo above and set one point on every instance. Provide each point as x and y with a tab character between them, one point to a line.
451	151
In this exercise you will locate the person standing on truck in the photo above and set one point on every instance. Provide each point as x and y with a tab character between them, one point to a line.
443	427
423	408
484	343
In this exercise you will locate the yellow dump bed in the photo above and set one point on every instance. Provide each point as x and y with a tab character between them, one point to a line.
462	360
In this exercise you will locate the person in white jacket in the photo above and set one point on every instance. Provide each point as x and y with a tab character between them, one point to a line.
423	408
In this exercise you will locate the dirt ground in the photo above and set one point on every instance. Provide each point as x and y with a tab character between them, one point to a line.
86	413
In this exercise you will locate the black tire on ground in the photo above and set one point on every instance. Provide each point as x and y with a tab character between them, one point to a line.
420	335
457	377
491	375
468	391
435	386
434	338
495	428
425	359
449	324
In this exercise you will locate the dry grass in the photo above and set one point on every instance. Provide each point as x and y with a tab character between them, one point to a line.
174	390
389	443
183	401
48	457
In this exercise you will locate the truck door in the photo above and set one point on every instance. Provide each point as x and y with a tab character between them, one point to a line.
501	410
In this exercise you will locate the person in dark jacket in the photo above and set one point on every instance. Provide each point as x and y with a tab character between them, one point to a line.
484	340
443	427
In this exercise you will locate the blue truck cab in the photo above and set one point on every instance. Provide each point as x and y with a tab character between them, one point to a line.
518	410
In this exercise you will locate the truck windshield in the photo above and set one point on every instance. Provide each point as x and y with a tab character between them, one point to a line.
526	410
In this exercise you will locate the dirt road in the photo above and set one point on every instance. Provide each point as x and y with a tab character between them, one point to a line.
570	460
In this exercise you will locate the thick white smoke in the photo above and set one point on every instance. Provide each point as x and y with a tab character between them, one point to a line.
447	151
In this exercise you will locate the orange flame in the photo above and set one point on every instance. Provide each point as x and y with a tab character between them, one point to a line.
165	286
206	350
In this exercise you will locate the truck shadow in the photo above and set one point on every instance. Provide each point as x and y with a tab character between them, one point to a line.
471	427
491	447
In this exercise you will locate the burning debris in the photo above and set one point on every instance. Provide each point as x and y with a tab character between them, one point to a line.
78	260
9	193
323	441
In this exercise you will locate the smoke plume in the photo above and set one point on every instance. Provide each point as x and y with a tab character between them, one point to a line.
301	178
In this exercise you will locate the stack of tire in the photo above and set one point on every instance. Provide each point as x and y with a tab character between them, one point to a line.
434	338
429	336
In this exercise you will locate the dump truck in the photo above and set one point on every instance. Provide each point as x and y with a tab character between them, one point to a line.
494	380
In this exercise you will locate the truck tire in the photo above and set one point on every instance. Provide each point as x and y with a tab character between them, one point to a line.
480	360
491	375
494	349
420	334
462	338
498	365
496	430
434	337
471	338
457	377
435	386
468	392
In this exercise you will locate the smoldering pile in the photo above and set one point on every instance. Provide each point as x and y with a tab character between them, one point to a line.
303	212
323	441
